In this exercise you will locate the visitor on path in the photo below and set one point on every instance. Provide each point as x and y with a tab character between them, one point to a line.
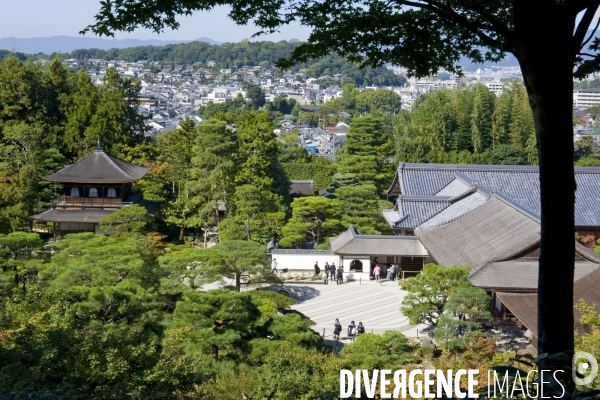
317	269
360	329
332	270
393	272
352	331
377	273
274	266
326	268
340	275
337	329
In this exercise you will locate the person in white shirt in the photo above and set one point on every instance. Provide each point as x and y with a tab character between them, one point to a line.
274	266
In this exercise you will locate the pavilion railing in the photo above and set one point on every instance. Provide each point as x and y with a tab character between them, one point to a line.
89	201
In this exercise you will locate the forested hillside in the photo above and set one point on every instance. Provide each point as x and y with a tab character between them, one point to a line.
229	55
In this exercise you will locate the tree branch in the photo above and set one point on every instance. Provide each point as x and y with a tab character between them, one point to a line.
588	55
448	13
476	7
591	35
584	24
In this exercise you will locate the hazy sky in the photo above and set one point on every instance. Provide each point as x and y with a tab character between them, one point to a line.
43	18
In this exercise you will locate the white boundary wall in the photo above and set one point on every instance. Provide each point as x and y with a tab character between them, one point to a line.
302	260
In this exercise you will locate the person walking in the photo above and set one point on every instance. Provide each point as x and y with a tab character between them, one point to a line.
360	329
340	275
389	273
274	266
352	331
326	270
377	273
317	269
393	272
332	271
337	329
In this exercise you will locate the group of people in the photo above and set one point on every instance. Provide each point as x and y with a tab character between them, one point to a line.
391	273
330	272
353	330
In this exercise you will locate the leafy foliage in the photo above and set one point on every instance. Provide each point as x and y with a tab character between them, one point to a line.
465	312
428	292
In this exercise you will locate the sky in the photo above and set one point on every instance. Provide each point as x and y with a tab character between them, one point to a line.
44	18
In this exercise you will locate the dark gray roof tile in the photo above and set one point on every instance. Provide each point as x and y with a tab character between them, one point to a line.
99	167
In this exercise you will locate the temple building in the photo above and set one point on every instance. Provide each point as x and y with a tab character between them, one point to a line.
93	187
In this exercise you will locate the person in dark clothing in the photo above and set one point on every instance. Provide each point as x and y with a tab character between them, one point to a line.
340	275
326	270
337	329
352	331
317	269
360	329
332	270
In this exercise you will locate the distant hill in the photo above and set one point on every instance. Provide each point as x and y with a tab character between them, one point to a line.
66	44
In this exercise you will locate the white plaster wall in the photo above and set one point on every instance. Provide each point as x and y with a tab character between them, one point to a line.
304	262
356	275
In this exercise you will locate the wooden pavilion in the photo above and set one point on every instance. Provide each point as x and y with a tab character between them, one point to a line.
93	187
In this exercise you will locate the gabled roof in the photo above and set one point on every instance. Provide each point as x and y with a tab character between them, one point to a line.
493	231
518	183
351	242
524	306
302	187
86	216
511	275
99	167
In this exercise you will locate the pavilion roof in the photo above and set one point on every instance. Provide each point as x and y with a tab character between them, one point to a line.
99	167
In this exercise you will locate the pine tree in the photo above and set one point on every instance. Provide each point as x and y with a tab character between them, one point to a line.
80	111
214	168
359	206
258	153
367	153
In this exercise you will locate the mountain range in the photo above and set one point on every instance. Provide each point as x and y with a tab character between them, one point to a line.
66	44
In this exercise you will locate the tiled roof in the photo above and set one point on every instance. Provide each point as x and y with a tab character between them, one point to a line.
301	251
456	210
506	275
351	242
518	183
99	167
87	216
492	231
524	306
302	187
414	211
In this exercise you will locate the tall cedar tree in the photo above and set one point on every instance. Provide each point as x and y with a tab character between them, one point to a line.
359	207
258	154
215	166
367	153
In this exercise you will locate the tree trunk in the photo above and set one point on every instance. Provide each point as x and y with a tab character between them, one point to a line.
545	54
215	352
181	234
238	282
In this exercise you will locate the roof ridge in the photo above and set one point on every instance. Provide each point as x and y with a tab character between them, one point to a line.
437	199
121	170
472	167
